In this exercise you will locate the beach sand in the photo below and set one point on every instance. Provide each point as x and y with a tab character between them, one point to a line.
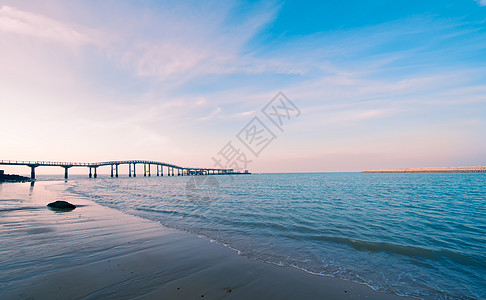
96	252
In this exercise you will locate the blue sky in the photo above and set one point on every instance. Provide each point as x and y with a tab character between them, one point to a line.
380	84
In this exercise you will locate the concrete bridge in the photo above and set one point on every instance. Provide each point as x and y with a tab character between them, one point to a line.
147	166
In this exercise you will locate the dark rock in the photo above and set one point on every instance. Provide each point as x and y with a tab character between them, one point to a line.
12	178
61	205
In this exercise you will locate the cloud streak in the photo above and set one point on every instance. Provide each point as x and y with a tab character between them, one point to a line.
28	24
481	2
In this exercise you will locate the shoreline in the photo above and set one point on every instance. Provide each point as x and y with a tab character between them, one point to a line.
99	252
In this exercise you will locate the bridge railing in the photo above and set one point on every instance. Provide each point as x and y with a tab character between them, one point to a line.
103	163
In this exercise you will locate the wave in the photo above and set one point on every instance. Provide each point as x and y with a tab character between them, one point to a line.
407	250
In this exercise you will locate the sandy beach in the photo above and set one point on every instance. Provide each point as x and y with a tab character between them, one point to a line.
96	252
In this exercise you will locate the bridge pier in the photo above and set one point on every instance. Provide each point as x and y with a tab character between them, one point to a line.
144	170
148	170
95	175
116	170
111	170
129	170
66	172
90	175
32	172
134	171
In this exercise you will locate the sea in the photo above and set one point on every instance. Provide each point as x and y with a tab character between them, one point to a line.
419	235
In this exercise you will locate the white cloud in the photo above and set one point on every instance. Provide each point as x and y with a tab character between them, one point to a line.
481	2
19	22
183	43
164	60
213	114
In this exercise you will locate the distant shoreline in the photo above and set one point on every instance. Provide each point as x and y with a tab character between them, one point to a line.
478	169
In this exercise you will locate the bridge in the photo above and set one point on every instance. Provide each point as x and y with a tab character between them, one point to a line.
147	166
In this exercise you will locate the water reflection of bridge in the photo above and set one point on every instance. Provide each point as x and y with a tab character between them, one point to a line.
147	166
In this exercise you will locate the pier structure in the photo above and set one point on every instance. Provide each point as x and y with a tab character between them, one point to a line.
478	169
147	166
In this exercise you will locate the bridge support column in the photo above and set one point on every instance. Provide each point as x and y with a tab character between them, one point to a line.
90	175
32	172
145	170
111	167
148	170
66	172
134	171
95	175
116	170
129	170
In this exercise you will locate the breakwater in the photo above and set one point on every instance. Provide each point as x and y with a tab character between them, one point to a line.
479	169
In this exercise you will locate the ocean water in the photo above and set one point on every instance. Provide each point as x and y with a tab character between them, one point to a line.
421	235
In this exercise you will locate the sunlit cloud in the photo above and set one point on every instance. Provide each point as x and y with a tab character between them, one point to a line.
216	112
19	22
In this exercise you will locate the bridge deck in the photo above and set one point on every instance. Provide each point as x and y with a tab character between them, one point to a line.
114	165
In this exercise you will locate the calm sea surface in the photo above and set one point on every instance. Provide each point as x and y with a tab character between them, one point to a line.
412	234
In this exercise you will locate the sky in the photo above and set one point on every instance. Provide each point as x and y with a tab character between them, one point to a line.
371	84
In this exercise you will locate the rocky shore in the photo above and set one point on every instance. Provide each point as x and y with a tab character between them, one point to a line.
12	178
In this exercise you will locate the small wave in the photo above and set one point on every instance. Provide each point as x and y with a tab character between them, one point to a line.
410	251
163	211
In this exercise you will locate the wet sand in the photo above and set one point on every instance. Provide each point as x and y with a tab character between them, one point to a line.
96	252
